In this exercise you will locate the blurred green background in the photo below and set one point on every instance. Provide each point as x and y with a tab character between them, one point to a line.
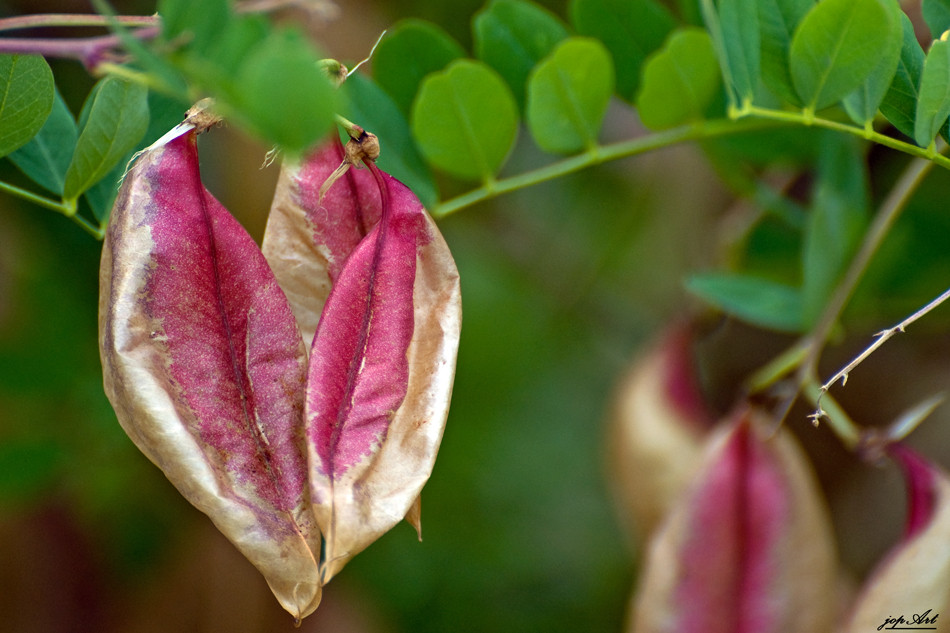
562	284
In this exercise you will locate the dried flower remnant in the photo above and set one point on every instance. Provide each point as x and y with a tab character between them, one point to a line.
915	576
205	366
748	548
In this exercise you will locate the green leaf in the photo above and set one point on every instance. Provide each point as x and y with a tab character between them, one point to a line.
87	104
758	301
836	221
689	12
285	97
568	94
118	117
900	102
26	99
862	104
369	106
512	36
152	57
837	45
101	196
936	15
411	50
740	33
793	146
214	69
224	57
714	28
680	81
196	25
164	114
629	30
777	21
465	120
46	157
933	102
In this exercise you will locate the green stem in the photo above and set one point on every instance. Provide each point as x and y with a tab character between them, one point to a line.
97	232
352	129
748	118
802	118
841	424
806	352
890	210
73	19
147	79
59	207
779	367
64	208
601	154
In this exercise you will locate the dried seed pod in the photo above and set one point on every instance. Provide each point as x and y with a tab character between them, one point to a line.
383	356
913	582
205	366
380	379
307	239
747	548
657	427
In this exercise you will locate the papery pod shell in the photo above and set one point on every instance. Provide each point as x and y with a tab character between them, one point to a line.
748	548
382	366
915	575
307	239
657	427
205	367
414	516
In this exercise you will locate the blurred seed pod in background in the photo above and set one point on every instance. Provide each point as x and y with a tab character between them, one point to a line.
913	580
655	432
748	547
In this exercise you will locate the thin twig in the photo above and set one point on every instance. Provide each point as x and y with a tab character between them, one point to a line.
930	153
880	338
808	349
91	51
72	19
843	426
709	129
890	210
322	9
371	51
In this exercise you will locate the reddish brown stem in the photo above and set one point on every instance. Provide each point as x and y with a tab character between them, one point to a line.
73	19
91	51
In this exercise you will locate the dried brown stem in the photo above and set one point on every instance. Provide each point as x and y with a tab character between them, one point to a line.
880	338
